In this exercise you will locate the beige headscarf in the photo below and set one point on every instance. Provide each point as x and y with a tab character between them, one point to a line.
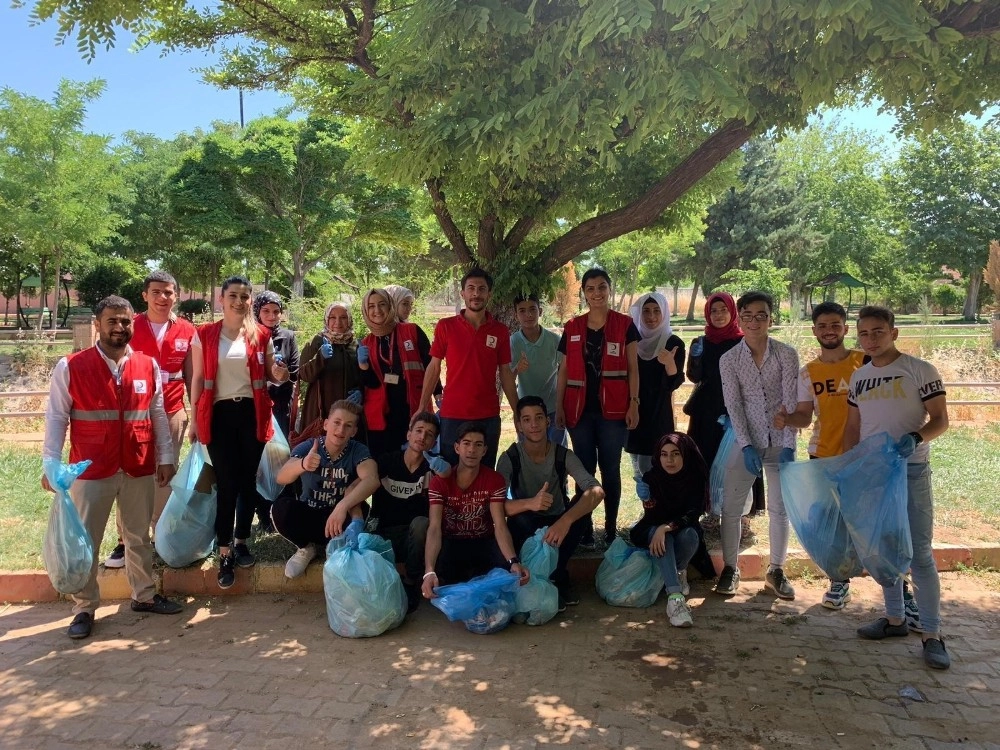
335	337
385	328
398	293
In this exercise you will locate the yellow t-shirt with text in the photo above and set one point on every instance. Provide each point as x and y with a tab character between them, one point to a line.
826	385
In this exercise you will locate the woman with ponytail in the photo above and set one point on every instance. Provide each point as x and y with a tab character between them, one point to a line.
233	417
392	359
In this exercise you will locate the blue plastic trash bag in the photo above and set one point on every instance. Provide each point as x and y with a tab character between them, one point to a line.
628	576
537	601
185	531
364	594
717	474
810	498
275	454
484	604
67	550
873	497
378	545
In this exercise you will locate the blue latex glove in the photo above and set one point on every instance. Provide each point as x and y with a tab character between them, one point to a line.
354	528
363	355
697	347
786	456
642	490
906	445
751	460
326	350
354	396
438	465
278	358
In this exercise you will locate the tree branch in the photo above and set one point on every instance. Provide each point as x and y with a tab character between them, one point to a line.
647	208
519	232
458	244
487	247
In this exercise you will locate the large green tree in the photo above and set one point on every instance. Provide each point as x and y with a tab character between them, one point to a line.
543	129
948	184
56	182
284	189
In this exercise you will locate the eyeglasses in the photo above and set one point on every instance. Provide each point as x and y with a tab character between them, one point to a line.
759	317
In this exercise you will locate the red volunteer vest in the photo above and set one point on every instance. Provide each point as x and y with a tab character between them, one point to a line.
110	423
210	334
376	402
614	368
169	355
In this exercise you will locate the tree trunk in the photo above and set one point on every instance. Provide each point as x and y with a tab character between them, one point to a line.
211	296
54	315
971	309
677	301
693	303
41	294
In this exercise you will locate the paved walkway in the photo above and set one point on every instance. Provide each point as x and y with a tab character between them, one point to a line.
266	672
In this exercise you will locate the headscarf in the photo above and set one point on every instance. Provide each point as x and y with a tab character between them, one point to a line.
336	337
267	298
385	328
653	339
690	481
731	331
397	294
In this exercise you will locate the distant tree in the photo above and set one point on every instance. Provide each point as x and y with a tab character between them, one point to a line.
567	294
948	184
762	276
112	276
56	182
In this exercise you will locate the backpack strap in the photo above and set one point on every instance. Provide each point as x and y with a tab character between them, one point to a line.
515	470
561	470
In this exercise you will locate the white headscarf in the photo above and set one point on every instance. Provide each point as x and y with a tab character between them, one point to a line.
653	339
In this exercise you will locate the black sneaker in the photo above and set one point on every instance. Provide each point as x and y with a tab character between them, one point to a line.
610	535
227	571
568	595
158	605
117	557
935	654
587	542
412	597
729	581
81	626
243	556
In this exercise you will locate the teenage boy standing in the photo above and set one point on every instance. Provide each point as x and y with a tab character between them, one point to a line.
759	376
535	360
475	348
904	396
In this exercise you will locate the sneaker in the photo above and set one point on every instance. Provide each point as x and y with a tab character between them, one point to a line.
81	626
610	535
116	559
935	655
678	612
881	628
560	603
158	605
227	571
298	562
568	595
587	542
412	596
778	585
682	576
838	595
729	581
911	611
243	556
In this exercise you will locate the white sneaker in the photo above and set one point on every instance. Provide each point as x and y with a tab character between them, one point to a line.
678	612
298	562
682	575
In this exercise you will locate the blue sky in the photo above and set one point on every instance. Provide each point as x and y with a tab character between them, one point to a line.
163	95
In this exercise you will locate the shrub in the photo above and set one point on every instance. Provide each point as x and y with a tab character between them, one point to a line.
948	297
112	276
189	308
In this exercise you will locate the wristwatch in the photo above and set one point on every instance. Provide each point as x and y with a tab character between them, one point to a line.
917	437
515	560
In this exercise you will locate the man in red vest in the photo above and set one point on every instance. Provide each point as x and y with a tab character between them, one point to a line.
173	342
111	399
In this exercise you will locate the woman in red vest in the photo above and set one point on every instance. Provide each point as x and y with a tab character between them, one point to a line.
392	359
233	417
597	395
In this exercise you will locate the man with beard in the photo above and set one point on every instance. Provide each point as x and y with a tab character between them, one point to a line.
475	348
111	398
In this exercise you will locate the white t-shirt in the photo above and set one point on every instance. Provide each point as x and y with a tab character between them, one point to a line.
232	380
891	398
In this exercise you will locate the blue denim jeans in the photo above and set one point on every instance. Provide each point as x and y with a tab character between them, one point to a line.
680	548
598	442
449	432
926	584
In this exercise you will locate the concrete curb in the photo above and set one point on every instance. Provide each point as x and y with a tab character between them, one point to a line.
269	578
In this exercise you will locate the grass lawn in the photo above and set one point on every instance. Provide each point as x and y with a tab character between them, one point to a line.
966	479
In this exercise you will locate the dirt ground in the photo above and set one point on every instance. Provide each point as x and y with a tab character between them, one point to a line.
266	672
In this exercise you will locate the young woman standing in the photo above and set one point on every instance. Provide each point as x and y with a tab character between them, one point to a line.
597	392
233	417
